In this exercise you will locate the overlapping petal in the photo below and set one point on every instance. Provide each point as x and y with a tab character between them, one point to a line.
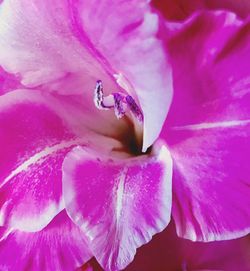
34	141
59	246
69	45
208	127
135	51
118	205
36	132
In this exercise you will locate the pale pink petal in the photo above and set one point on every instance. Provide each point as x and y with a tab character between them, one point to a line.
42	44
59	246
208	127
127	34
119	205
181	9
69	45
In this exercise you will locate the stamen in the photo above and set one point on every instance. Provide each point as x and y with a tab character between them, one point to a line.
119	105
134	108
98	94
118	101
99	97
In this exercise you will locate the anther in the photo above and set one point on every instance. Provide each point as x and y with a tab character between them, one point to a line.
134	108
120	102
99	97
119	105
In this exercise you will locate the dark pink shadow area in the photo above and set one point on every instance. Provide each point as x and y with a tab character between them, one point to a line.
181	9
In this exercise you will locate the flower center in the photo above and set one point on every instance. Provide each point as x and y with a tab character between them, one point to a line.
123	104
118	101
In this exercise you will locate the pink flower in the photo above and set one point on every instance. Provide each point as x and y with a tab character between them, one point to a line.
53	55
74	181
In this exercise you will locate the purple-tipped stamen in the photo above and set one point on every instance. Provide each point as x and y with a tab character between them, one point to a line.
98	94
118	101
99	97
119	105
134	108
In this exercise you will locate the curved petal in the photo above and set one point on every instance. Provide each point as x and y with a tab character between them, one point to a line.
127	34
119	205
36	131
67	50
208	127
40	43
34	141
59	246
181	9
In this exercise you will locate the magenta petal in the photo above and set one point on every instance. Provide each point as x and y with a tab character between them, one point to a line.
33	141
59	246
119	205
208	127
129	38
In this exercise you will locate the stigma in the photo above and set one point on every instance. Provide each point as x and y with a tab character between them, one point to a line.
121	103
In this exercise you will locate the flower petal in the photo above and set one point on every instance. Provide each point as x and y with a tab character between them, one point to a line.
36	131
119	205
34	140
67	50
59	246
208	127
128	37
41	43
